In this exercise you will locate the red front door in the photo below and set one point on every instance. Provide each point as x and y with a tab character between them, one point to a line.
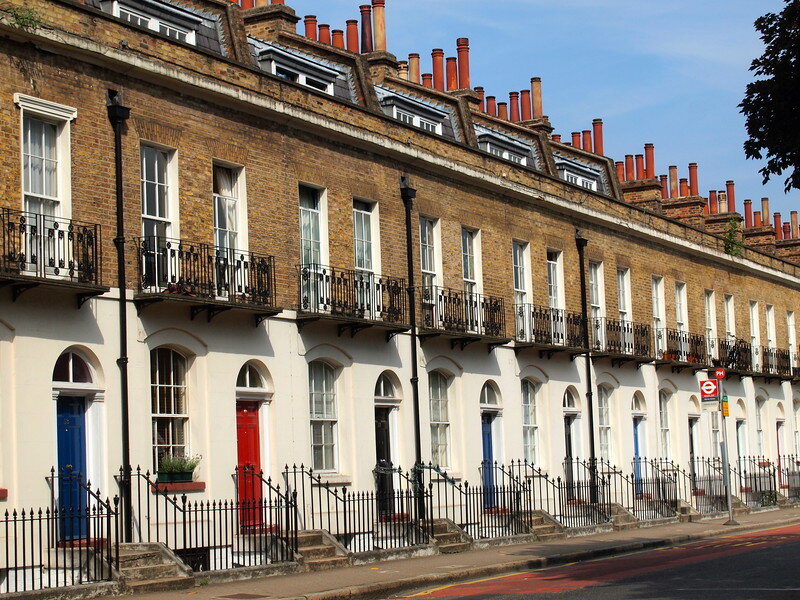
248	439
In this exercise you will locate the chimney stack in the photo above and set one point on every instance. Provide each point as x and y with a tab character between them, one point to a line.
452	73
513	101
413	67
639	158
338	38
438	68
597	127
576	139
310	21
795	227
502	110
427	80
748	214
379	18
684	187
462	48
557	137
366	28
536	93
776	219
730	192
325	34
482	97
491	105
694	188
713	204
673	181
587	140
664	187
352	35
525	101
765	208
650	160
629	175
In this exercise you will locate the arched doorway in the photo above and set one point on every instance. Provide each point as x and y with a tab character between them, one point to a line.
387	402
490	411
571	412
639	415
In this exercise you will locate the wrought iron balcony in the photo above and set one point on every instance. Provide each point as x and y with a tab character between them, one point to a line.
540	325
41	249
776	361
622	338
352	295
733	355
212	278
680	346
458	312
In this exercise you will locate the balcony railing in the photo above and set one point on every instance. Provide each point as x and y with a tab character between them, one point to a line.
457	311
776	361
353	294
548	326
621	337
205	272
41	246
734	355
680	346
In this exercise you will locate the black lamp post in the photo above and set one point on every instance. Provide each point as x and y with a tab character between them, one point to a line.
581	243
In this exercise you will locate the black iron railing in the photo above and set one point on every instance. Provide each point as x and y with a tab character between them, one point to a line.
73	541
42	246
734	355
458	311
548	326
757	481
680	346
776	361
353	294
621	337
788	469
362	521
205	272
210	535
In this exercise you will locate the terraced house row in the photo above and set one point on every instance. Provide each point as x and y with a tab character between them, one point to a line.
363	298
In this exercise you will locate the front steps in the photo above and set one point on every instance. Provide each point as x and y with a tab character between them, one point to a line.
544	527
151	568
449	537
318	552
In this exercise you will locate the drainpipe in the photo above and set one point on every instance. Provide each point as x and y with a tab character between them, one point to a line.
118	115
408	194
581	242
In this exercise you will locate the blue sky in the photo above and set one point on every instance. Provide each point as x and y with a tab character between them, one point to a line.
671	72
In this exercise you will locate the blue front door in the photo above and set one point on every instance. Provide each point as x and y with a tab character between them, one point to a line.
488	461
72	496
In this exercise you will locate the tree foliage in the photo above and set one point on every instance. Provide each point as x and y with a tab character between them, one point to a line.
772	102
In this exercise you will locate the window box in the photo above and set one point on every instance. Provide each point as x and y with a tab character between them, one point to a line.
179	487
175	477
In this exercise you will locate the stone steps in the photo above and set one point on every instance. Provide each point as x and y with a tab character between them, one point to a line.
148	568
318	553
161	585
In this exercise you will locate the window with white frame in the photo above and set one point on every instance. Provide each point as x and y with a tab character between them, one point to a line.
469	271
249	378
440	419
324	419
755	334
595	290
760	426
797	429
40	166
791	338
384	389
710	310
135	15
426	123
604	422
715	433
530	423
554	287
226	207
583	180
519	251
680	306
156	217
663	423
657	293
427	243
170	414
362	235
730	317
500	151
310	225
624	294
771	336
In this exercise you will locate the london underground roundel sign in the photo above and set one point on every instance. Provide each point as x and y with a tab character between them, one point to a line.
709	388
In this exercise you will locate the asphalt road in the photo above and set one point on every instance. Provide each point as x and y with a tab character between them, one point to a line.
763	565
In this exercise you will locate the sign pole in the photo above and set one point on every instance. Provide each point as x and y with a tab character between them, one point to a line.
726	468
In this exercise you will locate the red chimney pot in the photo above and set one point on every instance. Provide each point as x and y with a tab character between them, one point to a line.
502	110
629	172
352	35
639	166
438	68
587	140
597	128
748	214
536	92
413	67
325	34
427	80
776	220
684	187
462	48
338	38
482	96
310	21
650	161
664	187
620	170
366	28
452	73
730	189
491	105
513	102
557	137
525	102
713	204
694	189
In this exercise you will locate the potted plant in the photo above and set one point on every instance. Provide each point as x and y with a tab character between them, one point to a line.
177	469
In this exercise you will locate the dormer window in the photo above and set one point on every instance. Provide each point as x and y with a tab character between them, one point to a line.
423	122
504	153
173	22
298	69
580	173
416	112
504	146
583	180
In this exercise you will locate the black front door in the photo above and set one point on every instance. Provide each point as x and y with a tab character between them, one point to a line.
569	473
383	460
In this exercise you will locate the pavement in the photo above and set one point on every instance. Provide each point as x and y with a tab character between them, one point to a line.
381	580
